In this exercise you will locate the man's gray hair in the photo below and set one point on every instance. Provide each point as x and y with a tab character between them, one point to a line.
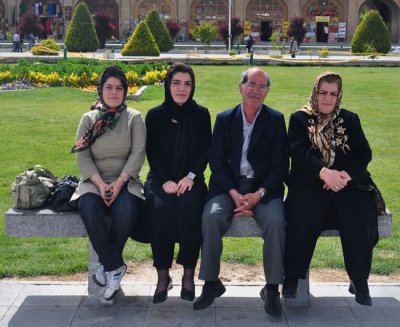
245	76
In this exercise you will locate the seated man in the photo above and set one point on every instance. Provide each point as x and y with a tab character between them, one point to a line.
249	161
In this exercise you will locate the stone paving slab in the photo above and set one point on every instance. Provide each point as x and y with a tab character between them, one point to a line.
31	304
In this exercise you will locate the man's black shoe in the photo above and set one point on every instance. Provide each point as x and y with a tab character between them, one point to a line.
272	302
208	295
289	288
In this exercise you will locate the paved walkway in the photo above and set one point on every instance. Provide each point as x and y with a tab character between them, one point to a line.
54	304
260	58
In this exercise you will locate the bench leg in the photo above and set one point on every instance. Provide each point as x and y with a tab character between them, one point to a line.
303	290
95	293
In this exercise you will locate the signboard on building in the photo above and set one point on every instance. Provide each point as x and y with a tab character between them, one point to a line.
322	19
342	30
247	27
285	27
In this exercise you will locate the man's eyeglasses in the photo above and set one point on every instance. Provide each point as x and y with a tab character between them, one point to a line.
253	86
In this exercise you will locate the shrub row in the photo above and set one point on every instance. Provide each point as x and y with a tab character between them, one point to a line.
47	47
78	74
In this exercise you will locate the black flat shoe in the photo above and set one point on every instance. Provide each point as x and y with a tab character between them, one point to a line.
186	294
361	298
208	295
163	295
272	302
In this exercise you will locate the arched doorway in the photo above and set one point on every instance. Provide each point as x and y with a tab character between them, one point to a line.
264	17
50	14
104	6
324	20
389	11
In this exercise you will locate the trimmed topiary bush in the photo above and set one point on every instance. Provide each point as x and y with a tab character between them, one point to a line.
371	33
81	34
160	31
141	43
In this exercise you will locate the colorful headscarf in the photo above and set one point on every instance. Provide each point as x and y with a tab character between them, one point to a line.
108	116
321	130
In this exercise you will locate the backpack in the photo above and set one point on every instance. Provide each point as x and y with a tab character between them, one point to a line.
33	188
62	194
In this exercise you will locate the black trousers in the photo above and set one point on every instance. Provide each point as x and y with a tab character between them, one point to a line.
174	220
354	216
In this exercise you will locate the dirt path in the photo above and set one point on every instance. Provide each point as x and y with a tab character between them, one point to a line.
145	273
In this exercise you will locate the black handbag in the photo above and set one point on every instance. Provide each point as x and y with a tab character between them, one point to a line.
141	231
376	195
62	194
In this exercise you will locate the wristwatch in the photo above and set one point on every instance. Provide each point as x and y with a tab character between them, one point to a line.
124	179
261	191
191	175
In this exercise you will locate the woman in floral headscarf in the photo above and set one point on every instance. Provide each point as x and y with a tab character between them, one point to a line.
330	155
110	148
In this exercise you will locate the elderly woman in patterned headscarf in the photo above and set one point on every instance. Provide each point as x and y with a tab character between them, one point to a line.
330	155
110	147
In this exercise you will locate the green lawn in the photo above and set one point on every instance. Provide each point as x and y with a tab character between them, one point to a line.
38	127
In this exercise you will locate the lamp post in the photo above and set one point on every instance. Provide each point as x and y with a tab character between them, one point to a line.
229	25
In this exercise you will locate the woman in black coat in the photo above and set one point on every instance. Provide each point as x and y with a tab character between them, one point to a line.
330	155
178	135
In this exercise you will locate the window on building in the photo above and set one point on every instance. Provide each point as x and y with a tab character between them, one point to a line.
211	10
162	7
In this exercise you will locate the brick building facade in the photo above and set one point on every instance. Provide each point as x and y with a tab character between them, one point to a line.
327	21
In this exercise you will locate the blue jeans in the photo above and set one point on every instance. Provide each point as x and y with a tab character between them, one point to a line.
108	236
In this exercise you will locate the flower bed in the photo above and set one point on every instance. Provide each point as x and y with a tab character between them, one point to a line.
79	74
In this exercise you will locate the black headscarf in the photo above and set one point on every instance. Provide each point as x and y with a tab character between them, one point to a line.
180	114
108	115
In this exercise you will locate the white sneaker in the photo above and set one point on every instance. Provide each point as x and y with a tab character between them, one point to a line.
100	276
113	282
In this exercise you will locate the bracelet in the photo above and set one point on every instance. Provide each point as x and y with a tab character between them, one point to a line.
124	179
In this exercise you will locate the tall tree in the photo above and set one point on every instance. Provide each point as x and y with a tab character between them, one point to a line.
236	30
81	34
297	29
104	26
371	35
159	31
29	23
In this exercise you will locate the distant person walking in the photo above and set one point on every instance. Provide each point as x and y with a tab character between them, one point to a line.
16	43
32	41
293	47
249	43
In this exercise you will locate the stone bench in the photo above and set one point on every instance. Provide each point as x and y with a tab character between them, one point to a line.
45	222
245	226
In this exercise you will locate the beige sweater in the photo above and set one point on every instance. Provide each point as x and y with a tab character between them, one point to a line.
121	149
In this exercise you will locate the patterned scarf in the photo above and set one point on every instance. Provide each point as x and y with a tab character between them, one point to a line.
321	130
100	126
